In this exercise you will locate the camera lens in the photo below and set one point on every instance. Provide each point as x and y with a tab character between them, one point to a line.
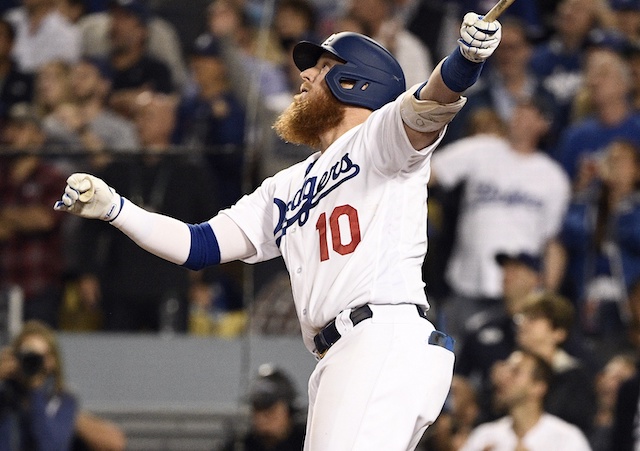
31	363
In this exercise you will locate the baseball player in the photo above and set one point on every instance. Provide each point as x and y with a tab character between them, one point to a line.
350	223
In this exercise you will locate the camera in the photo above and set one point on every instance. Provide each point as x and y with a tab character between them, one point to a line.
31	363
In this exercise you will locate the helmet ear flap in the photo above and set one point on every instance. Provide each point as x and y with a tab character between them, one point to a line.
362	86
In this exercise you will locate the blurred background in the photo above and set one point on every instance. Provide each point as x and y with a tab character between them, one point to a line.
172	102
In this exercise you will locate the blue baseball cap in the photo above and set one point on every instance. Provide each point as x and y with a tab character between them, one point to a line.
532	261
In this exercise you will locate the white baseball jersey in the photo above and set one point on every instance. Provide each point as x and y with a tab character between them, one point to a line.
511	203
550	432
350	222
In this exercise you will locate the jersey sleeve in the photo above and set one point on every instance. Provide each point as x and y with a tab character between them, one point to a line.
253	213
386	144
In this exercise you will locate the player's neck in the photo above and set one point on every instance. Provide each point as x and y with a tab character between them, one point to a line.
353	117
525	416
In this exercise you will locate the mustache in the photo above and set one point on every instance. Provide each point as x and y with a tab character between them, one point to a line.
305	86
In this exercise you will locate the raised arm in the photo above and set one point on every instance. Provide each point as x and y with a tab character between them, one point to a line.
429	107
194	246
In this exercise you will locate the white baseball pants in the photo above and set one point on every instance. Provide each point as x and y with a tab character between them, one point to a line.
380	386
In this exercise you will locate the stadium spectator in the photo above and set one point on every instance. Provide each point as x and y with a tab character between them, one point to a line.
53	97
215	309
349	22
31	254
623	430
133	69
52	87
73	10
627	16
254	58
184	18
544	326
619	368
43	34
86	122
505	208
521	383
295	21
459	417
602	238
558	61
412	54
163	42
608	81
491	334
211	120
16	86
275	423
37	410
633	59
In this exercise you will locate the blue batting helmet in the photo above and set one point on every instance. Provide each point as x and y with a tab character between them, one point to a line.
374	74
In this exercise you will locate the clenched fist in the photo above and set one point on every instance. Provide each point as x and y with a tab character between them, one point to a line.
89	197
478	38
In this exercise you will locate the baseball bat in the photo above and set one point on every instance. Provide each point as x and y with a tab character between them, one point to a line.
497	9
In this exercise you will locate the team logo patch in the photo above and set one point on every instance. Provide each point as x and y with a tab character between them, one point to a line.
309	195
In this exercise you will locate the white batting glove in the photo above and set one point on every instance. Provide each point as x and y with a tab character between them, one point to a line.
478	39
89	197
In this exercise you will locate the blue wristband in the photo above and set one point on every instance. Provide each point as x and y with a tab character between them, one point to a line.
458	73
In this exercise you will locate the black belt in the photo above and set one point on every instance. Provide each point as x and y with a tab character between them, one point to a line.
329	335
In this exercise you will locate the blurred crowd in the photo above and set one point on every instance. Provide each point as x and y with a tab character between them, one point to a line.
534	232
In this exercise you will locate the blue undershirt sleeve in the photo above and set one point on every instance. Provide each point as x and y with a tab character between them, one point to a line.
205	250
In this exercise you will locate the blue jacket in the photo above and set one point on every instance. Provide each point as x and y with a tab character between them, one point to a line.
585	261
44	423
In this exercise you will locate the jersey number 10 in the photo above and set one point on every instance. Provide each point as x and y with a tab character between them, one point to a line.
341	248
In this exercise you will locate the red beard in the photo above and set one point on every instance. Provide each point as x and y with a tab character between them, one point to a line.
306	119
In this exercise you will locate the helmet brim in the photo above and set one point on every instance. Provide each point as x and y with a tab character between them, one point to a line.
306	54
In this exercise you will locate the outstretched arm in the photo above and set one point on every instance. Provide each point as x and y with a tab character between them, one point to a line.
194	246
428	108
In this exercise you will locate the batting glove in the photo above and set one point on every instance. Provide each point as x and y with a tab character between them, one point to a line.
89	197
478	38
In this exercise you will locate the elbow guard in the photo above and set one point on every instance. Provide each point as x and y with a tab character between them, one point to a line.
427	115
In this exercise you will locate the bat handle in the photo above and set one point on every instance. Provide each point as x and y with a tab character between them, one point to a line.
497	10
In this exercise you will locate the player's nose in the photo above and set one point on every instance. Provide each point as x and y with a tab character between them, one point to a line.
308	74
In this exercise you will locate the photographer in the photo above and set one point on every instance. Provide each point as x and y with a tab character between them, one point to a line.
275	423
35	410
